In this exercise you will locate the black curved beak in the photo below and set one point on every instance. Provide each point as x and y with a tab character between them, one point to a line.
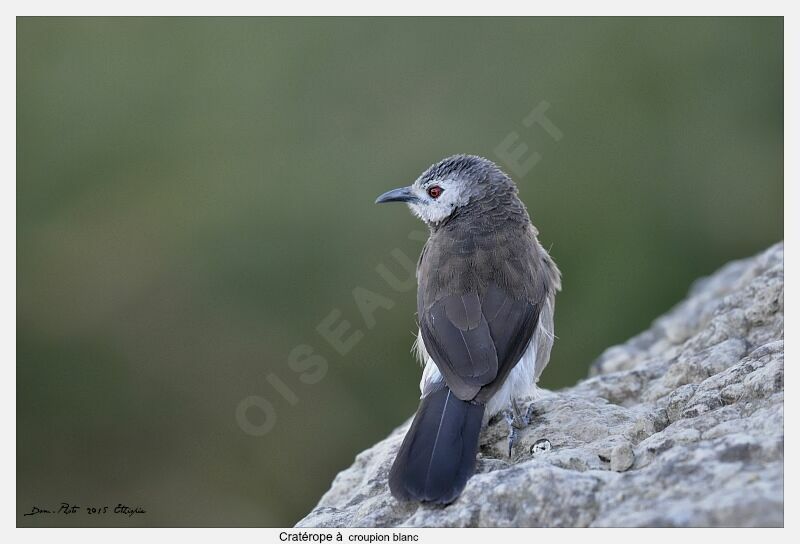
403	194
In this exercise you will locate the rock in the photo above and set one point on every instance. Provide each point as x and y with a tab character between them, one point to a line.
680	426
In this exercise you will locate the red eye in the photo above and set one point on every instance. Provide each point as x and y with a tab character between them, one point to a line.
435	191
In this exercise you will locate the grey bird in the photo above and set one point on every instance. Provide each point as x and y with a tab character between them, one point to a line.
485	300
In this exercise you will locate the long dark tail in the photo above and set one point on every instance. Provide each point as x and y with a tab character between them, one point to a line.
438	453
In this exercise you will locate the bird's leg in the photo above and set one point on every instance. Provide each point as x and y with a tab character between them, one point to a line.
516	420
512	430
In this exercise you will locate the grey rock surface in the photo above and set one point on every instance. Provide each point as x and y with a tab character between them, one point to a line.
680	426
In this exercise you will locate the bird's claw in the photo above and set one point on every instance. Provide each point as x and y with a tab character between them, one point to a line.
528	416
512	431
519	419
516	420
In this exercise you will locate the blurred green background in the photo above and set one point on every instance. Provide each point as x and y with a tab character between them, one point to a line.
194	196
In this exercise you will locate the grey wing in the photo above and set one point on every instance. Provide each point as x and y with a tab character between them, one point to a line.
476	339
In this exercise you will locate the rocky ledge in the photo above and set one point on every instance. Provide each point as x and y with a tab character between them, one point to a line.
680	426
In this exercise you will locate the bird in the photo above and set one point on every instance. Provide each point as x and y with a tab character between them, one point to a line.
485	301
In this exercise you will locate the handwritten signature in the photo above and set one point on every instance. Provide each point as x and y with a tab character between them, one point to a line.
68	509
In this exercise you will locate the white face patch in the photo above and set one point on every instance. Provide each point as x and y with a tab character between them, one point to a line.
434	210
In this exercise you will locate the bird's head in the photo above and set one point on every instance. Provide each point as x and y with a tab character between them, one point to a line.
450	186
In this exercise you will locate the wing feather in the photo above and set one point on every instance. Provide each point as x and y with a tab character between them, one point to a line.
473	352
